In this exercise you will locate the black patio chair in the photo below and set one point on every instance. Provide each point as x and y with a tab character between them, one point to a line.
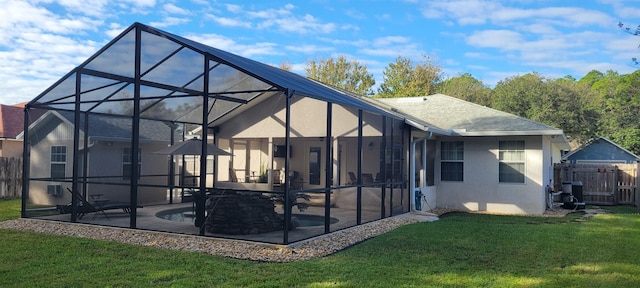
86	207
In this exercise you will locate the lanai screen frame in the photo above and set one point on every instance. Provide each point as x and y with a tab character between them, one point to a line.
90	87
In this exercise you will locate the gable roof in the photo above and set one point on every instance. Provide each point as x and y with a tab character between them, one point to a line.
464	118
102	127
588	151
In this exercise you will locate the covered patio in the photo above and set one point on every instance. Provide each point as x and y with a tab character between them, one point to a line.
278	147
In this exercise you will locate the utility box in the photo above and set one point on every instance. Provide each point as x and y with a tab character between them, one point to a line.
576	190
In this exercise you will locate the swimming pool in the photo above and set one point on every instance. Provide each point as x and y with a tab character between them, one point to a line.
188	215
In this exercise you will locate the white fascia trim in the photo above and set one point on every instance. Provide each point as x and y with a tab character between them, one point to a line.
557	136
508	133
428	128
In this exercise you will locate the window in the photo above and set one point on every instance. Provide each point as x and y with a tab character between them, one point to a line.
452	161
126	163
511	161
58	162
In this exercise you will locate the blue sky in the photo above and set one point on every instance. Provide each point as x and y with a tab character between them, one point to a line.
42	40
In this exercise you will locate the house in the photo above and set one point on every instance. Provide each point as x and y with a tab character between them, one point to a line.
285	138
601	151
486	160
52	146
11	124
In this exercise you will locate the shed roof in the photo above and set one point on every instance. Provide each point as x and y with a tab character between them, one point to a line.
601	149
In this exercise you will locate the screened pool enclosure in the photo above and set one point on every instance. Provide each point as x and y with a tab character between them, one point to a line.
268	155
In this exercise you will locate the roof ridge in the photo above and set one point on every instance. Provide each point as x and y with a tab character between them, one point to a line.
493	109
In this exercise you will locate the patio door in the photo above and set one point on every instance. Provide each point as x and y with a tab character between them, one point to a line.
315	166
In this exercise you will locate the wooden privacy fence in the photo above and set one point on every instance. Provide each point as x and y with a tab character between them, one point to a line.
603	184
10	177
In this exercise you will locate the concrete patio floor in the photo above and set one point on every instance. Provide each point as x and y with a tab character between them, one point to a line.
147	220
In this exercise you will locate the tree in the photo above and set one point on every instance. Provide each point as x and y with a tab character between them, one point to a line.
571	106
632	31
562	103
467	88
622	113
516	95
350	76
286	66
404	79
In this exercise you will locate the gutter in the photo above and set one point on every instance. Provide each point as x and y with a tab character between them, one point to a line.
426	128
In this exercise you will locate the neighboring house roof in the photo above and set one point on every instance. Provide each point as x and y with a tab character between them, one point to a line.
109	127
114	128
601	149
11	121
469	119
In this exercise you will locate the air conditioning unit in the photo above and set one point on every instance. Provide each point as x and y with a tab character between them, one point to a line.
54	190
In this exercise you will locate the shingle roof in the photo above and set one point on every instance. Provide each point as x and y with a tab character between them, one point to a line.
601	155
466	118
110	127
11	121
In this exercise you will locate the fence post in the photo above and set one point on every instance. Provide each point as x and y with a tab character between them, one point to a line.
636	190
616	178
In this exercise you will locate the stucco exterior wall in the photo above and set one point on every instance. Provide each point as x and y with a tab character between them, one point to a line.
481	191
308	119
105	159
308	126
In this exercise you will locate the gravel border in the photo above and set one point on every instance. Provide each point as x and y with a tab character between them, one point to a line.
319	246
311	248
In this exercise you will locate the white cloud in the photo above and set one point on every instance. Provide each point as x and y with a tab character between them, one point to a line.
141	3
477	12
306	24
87	7
500	39
234	8
467	12
624	11
173	9
227	44
308	49
390	40
228	22
114	30
170	21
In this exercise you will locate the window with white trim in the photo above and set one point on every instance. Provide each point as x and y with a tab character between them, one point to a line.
452	161
58	162
127	162
511	161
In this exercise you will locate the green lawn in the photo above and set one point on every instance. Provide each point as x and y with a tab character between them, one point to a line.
460	250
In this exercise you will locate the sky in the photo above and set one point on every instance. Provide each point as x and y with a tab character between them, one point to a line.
42	40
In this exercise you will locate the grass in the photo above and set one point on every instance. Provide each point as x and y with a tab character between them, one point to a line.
460	250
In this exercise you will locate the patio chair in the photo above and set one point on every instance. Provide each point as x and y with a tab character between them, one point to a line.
86	207
277	182
232	175
352	178
367	178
